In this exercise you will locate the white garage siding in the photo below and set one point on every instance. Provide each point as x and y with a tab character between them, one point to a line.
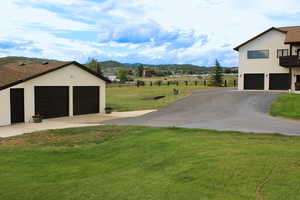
69	76
4	107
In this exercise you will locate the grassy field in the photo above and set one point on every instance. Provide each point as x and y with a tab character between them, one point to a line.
126	162
287	105
228	78
132	98
128	98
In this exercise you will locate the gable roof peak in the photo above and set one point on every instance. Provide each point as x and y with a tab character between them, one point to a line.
257	36
13	73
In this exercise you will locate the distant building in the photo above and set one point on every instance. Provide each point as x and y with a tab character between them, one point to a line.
112	77
130	72
148	73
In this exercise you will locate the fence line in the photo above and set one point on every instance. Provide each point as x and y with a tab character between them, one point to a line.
139	83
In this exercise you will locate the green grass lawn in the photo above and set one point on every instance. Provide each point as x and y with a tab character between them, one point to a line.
134	163
287	105
132	98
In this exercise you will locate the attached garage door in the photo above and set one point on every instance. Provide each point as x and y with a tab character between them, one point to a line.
254	81
85	100
280	82
52	101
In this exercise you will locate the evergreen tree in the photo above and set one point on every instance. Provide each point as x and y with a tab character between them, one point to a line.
140	70
217	75
94	65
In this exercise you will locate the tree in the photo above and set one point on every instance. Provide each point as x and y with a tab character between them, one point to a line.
217	75
140	70
122	74
228	71
94	65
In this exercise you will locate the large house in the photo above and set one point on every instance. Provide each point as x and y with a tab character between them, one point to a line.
271	60
50	89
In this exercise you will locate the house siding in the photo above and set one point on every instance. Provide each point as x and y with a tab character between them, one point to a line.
295	72
68	76
271	41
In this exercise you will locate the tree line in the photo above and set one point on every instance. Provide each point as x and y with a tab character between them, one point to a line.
216	75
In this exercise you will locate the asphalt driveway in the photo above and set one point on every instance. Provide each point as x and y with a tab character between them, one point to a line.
220	109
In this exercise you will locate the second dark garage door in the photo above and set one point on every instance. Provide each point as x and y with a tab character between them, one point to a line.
85	100
52	101
254	81
280	81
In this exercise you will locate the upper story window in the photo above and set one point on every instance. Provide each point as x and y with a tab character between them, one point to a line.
282	52
258	54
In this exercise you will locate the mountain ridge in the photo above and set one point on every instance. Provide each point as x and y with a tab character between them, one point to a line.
112	66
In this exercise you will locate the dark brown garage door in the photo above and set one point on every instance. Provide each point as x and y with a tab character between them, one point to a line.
254	81
85	100
280	81
17	105
52	101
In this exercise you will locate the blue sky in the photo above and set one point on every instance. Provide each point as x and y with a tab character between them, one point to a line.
138	31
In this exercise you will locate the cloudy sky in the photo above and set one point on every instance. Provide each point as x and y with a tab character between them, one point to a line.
144	31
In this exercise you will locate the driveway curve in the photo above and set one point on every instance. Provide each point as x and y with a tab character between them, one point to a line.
220	109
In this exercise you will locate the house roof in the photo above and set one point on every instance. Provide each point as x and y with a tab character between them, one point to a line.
292	35
13	73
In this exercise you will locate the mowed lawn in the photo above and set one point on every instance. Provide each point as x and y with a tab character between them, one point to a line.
134	163
287	105
132	98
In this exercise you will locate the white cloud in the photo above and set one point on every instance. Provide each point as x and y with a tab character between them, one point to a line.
23	17
225	23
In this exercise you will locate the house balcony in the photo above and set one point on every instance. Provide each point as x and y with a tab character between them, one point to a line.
289	61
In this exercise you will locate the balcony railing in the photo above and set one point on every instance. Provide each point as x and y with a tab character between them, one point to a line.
289	61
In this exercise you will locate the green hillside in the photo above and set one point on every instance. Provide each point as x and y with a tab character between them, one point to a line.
113	67
109	67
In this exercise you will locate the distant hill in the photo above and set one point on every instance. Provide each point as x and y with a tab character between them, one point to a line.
132	64
113	66
109	67
12	59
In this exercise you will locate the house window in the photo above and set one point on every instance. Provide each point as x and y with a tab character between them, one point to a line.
258	54
282	52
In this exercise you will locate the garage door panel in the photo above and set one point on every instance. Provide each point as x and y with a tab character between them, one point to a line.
52	101
254	81
279	81
85	100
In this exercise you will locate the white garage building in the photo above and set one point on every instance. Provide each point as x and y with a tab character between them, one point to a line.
50	89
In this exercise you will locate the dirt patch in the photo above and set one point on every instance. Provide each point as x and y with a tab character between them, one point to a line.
12	142
154	98
272	174
48	138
